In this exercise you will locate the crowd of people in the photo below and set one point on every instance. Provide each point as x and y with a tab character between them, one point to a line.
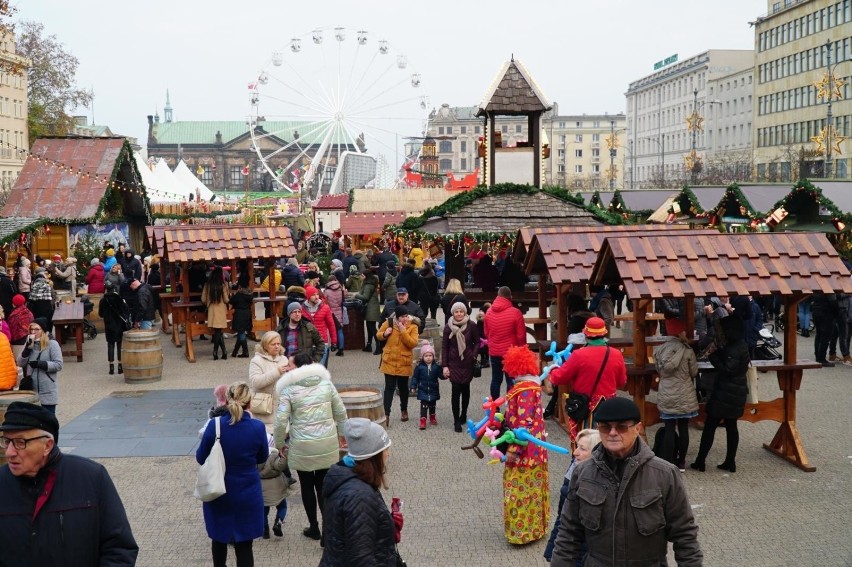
619	498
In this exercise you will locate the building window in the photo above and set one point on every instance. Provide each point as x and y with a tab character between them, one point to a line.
445	165
578	137
578	169
235	179
597	123
562	124
207	176
504	128
463	129
596	152
596	168
477	129
440	129
464	164
578	153
596	137
463	146
449	129
445	147
578	124
518	128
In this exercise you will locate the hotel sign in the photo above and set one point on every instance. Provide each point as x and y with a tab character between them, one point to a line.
667	61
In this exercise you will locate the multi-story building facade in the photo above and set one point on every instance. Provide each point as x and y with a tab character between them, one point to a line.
579	154
14	134
799	43
659	138
728	122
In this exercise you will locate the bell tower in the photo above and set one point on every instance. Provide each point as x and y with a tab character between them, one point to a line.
167	110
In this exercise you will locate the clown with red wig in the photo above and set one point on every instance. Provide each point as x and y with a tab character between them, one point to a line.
526	488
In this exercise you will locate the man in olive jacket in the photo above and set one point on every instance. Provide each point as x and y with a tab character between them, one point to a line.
624	502
299	335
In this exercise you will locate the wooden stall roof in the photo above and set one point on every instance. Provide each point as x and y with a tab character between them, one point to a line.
369	223
652	266
225	242
568	255
154	238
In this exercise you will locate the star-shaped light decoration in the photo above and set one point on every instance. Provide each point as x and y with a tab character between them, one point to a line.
836	140
829	87
695	122
612	172
611	142
691	160
819	140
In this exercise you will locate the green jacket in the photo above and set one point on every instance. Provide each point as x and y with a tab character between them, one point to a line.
308	339
370	296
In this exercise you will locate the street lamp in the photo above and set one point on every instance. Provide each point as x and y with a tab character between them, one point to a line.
829	88
612	144
695	122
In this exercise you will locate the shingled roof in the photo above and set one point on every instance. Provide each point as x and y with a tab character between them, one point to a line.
189	243
50	187
509	212
513	92
569	257
368	223
11	228
339	202
655	266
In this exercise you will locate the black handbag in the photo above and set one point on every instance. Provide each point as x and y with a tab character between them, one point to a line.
477	369
577	404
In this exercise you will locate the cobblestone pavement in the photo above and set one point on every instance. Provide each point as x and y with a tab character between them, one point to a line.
767	514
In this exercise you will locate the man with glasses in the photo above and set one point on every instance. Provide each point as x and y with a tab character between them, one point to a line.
624	502
56	509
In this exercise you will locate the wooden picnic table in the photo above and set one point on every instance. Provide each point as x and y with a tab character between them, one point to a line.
539	327
69	316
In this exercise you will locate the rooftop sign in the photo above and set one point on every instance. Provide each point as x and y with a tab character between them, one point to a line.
667	61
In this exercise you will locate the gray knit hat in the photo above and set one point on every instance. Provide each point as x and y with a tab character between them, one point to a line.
365	438
293	307
458	305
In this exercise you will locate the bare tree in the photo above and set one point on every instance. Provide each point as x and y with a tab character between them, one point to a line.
51	91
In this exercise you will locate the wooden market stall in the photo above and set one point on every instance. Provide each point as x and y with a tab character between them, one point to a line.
226	245
791	265
362	229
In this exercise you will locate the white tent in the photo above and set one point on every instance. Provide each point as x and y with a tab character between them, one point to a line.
172	190
191	182
148	177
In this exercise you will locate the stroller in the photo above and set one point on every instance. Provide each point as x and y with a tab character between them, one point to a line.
767	345
89	328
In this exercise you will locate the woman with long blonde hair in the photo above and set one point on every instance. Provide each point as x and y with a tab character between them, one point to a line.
237	516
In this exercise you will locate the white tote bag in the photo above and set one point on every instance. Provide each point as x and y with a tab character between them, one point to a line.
210	484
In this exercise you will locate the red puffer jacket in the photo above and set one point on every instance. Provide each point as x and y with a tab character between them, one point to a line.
504	327
95	279
323	321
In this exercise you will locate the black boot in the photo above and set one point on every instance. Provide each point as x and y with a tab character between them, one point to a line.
245	353
236	348
120	368
111	368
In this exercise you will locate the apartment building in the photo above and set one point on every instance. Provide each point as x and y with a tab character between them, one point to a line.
579	154
14	135
799	43
658	135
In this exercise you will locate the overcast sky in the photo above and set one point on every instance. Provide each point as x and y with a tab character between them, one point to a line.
583	54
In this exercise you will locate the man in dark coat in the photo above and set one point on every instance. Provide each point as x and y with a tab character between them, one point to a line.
299	335
382	260
56	509
292	275
7	292
131	266
144	308
409	279
624	502
404	300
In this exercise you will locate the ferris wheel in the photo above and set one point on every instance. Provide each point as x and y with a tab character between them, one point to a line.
332	110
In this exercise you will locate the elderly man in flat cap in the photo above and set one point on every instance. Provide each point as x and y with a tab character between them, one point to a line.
56	509
624	502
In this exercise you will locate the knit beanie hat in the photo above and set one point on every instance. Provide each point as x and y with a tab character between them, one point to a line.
353	269
41	322
94	261
337	263
426	348
294	306
110	252
310	291
365	438
18	300
458	305
400	311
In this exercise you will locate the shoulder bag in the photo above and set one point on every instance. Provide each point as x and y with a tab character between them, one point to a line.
262	403
577	404
210	483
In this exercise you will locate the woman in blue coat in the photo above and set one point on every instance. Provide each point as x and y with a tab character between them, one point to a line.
237	517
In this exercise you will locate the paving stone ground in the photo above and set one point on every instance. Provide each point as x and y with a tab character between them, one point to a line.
767	514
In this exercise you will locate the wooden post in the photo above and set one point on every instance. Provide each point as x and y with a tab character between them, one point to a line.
562	314
689	307
542	295
791	304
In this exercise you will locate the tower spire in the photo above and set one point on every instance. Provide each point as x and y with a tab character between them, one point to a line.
167	110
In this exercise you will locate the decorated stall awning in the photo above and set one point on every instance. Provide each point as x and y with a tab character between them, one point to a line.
225	242
12	228
568	257
352	224
654	266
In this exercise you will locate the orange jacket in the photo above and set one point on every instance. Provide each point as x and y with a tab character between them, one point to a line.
8	368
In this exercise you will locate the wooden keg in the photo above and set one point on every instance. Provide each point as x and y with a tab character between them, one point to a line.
142	356
363	401
7	398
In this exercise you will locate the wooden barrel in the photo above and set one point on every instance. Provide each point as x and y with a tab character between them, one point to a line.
354	337
142	356
7	398
363	401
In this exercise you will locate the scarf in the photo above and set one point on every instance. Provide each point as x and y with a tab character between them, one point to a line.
457	329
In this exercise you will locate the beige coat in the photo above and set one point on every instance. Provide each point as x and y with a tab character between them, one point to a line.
676	363
263	374
217	313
